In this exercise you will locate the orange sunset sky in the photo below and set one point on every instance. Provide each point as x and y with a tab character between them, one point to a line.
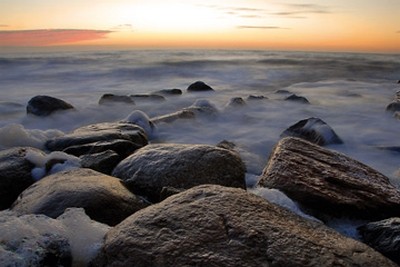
340	25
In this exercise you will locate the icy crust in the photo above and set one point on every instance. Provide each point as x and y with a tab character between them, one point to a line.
27	240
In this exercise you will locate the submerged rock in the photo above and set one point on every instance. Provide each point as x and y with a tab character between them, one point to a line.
383	236
169	92
298	99
236	102
327	182
15	173
148	97
103	197
256	97
108	99
168	118
314	130
43	105
212	225
155	166
199	86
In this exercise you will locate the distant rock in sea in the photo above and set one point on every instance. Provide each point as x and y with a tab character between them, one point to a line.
199	86
108	99
45	105
169	92
298	99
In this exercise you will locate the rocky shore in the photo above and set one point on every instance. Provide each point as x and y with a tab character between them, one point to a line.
109	194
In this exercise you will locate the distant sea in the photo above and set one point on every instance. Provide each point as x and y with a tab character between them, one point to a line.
348	91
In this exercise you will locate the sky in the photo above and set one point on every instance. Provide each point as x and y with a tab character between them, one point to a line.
312	25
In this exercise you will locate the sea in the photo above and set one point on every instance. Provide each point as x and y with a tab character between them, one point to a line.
349	91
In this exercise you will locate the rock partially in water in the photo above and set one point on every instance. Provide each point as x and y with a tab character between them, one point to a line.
103	197
148	97
314	130
15	173
155	166
393	107
383	236
103	162
298	99
109	99
325	182
169	92
256	97
43	105
212	225
168	118
236	102
199	86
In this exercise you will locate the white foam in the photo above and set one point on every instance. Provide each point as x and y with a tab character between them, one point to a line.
141	119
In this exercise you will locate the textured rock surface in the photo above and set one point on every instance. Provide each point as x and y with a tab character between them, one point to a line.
103	162
103	197
169	92
104	132
212	225
383	236
153	167
329	182
314	130
298	99
15	174
108	99
199	86
45	105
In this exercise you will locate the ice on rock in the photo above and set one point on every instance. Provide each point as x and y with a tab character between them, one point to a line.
141	119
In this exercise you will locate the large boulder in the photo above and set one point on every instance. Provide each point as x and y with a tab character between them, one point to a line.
383	236
15	173
103	197
103	162
155	166
325	181
43	105
199	86
314	130
108	132
211	225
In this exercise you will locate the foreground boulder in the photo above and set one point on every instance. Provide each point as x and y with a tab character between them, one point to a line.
111	133
383	236
327	182
212	225
199	86
45	105
153	167
15	173
103	197
314	130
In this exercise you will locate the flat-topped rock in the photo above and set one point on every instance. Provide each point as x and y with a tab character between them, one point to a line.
109	99
104	198
328	182
155	166
211	225
43	105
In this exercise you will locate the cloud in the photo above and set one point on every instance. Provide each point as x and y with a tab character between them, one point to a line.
398	32
4	26
44	37
123	27
261	27
301	10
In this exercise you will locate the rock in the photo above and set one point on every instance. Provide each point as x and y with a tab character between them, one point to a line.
103	162
103	197
148	97
212	225
120	146
199	86
327	182
236	102
108	99
298	99
383	236
256	97
141	119
168	191
42	105
15	173
32	240
169	92
283	92
203	107
168	118
314	130
155	166
393	107
106	131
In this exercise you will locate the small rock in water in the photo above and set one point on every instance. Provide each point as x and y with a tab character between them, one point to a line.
296	98
199	86
314	130
148	97
45	105
393	107
112	99
383	236
236	102
169	92
256	97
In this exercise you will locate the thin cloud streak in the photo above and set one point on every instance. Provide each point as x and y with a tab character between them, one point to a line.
4	25
45	37
261	27
123	27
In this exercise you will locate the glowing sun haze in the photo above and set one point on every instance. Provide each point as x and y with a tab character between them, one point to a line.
341	25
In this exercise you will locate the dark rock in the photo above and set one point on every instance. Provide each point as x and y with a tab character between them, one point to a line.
103	162
199	86
203	107
327	182
121	146
283	92
99	132
393	107
227	145
314	130
22	244
45	105
383	236
256	97
148	97
236	102
298	99
168	191
15	174
168	118
107	99
153	167
212	225
103	197
169	92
